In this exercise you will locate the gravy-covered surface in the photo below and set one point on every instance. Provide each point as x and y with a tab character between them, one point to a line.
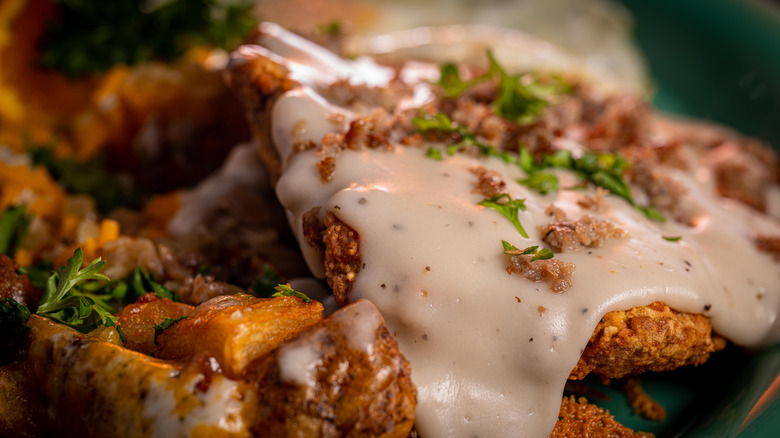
492	335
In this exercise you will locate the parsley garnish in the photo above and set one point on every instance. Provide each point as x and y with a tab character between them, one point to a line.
521	99
510	209
603	170
167	322
672	238
538	254
63	302
542	182
440	122
92	36
433	153
284	290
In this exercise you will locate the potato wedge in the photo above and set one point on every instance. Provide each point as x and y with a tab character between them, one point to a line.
238	330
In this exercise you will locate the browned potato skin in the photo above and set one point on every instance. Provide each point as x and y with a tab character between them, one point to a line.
238	330
137	320
351	393
647	338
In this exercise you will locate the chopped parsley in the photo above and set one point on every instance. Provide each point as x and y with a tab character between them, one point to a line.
14	223
510	208
542	182
672	238
538	254
440	122
521	98
434	154
92	36
284	290
601	169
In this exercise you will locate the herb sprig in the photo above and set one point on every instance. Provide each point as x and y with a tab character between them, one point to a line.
284	290
521	98
509	208
440	122
538	254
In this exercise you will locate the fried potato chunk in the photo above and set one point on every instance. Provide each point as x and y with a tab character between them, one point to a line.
138	320
578	418
238	330
344	377
647	338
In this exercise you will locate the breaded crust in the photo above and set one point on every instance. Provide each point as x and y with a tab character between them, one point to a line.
647	338
578	418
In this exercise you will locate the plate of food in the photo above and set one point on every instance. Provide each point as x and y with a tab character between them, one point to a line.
369	219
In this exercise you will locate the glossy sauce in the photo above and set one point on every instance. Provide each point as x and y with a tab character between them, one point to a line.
491	352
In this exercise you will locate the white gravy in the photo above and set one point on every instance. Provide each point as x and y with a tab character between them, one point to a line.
491	352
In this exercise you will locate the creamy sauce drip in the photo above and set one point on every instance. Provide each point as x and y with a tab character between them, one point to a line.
491	352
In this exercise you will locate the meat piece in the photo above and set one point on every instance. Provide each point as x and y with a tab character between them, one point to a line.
647	338
137	320
556	272
199	289
238	331
578	418
489	182
344	377
16	285
568	236
342	257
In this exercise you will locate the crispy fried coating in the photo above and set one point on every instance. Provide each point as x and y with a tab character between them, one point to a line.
647	338
578	418
344	377
238	331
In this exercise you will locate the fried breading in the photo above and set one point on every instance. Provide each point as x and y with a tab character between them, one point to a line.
578	418
138	320
344	377
647	338
15	285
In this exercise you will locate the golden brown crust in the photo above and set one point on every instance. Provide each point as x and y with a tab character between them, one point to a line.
342	256
640	401
349	391
138	320
578	418
646	338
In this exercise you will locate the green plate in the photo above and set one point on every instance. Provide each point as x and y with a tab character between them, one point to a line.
717	60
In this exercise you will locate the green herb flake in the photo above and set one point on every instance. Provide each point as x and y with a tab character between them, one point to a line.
542	182
538	254
284	290
14	223
510	209
672	238
434	154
